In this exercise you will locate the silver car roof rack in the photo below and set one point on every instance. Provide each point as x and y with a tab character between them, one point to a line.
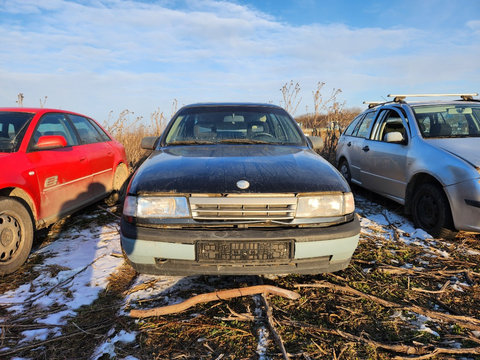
401	97
372	104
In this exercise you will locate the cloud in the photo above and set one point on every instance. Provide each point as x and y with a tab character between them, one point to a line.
96	56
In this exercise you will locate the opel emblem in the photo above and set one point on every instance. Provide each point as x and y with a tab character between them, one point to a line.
243	184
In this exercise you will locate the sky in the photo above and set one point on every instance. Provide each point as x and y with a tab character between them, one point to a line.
100	57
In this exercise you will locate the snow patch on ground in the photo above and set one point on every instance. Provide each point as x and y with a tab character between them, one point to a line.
417	321
108	347
74	272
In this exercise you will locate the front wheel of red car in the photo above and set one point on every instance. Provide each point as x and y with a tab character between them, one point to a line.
16	235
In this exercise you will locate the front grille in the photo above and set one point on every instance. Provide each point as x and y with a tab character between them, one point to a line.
243	207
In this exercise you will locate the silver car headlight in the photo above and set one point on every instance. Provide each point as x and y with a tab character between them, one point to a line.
157	207
327	205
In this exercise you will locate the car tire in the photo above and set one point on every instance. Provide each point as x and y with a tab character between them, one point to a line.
16	235
431	211
345	170
119	185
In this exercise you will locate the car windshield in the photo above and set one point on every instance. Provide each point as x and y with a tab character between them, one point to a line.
12	128
452	120
233	125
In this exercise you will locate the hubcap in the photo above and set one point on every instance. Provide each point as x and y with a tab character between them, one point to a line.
344	171
10	236
428	211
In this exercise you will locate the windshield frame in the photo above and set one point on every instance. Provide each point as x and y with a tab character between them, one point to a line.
273	115
457	120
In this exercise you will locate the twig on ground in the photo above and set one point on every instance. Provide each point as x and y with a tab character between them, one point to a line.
36	296
109	211
273	330
443	288
140	287
465	321
41	343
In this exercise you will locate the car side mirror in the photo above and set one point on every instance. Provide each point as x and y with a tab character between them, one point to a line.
394	137
50	142
317	142
148	143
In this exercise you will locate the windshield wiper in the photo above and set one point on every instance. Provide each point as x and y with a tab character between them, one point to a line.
244	141
190	142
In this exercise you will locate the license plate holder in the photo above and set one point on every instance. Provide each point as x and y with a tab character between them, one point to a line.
235	251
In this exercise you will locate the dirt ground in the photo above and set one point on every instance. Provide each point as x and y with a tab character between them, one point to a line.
404	296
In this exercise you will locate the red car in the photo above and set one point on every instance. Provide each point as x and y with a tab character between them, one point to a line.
52	163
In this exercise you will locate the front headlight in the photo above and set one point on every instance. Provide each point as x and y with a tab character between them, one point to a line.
327	205
156	207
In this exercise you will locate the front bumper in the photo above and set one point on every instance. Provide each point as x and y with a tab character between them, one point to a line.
176	251
464	200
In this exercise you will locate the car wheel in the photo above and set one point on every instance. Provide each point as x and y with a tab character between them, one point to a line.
345	170
431	211
119	185
16	235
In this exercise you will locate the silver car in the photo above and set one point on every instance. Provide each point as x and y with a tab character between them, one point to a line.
423	155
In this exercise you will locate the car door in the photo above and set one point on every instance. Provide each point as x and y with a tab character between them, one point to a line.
356	144
384	164
99	153
63	174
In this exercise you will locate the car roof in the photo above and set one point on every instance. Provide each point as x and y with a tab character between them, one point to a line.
246	104
36	110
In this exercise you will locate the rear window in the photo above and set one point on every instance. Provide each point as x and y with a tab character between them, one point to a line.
349	130
363	127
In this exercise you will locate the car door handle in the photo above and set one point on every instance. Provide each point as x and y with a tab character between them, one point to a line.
365	148
349	143
83	158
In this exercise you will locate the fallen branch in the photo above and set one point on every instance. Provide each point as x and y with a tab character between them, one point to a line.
213	296
465	321
424	351
439	351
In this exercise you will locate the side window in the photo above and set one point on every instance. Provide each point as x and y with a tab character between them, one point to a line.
364	126
102	133
55	124
86	131
391	122
350	128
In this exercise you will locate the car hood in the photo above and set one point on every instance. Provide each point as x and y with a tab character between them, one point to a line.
218	168
466	148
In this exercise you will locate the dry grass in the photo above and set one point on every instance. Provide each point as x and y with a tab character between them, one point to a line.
130	130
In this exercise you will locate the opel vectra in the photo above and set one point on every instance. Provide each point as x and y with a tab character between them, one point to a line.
237	189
